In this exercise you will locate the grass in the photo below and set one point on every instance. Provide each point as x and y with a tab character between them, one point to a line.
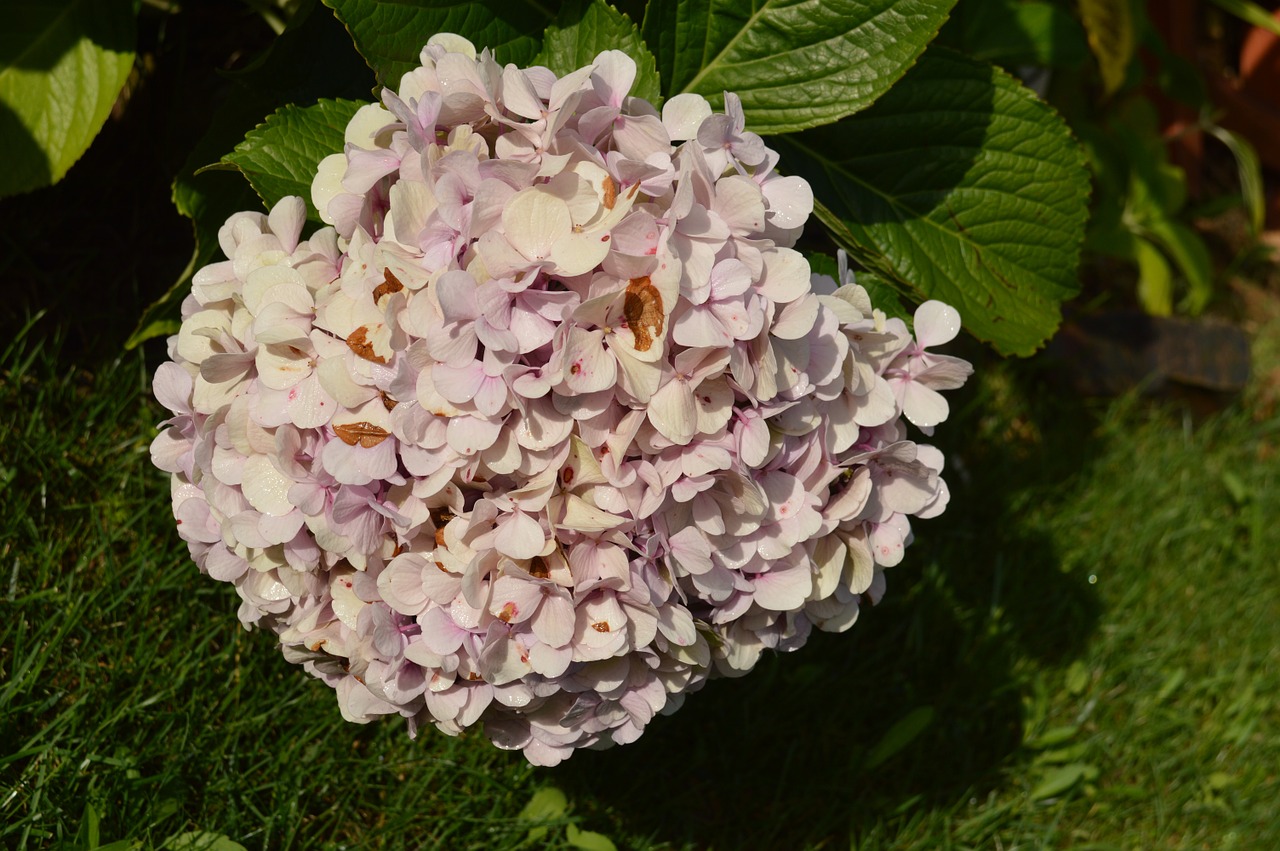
1081	653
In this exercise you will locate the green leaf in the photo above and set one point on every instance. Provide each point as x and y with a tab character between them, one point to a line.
963	186
900	735
87	836
1155	278
1191	256
280	157
584	29
1078	677
795	65
1172	683
1113	35
1060	780
1011	32
1236	487
547	804
1250	13
390	34
588	840
1053	737
62	65
203	840
1249	171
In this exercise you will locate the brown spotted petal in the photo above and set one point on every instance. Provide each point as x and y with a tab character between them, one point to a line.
366	434
360	343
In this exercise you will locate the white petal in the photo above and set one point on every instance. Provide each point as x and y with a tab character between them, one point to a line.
346	605
519	536
582	516
588	368
923	406
786	276
365	124
533	221
790	201
453	43
266	488
683	114
936	323
673	413
327	184
741	204
796	319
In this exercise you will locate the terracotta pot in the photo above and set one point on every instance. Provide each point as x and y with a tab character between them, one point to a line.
1252	102
1260	62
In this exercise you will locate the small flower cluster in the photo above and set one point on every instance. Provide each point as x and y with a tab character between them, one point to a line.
552	423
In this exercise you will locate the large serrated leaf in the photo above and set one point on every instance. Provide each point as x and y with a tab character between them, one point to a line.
584	29
390	33
794	64
965	187
62	65
279	157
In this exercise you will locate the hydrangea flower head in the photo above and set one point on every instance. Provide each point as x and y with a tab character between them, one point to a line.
551	423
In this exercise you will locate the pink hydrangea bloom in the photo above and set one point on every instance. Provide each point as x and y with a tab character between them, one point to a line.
552	423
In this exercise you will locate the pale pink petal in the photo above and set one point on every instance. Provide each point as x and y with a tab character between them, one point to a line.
439	632
458	384
783	589
588	368
172	386
519	536
553	624
514	599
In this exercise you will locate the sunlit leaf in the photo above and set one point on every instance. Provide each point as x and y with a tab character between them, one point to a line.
1190	255
62	66
1113	35
1155	278
1249	172
795	65
1060	780
203	840
547	804
279	157
588	840
962	186
584	29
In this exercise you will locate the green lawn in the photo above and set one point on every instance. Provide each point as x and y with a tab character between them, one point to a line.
1083	652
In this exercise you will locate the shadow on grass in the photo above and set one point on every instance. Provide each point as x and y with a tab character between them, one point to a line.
780	758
